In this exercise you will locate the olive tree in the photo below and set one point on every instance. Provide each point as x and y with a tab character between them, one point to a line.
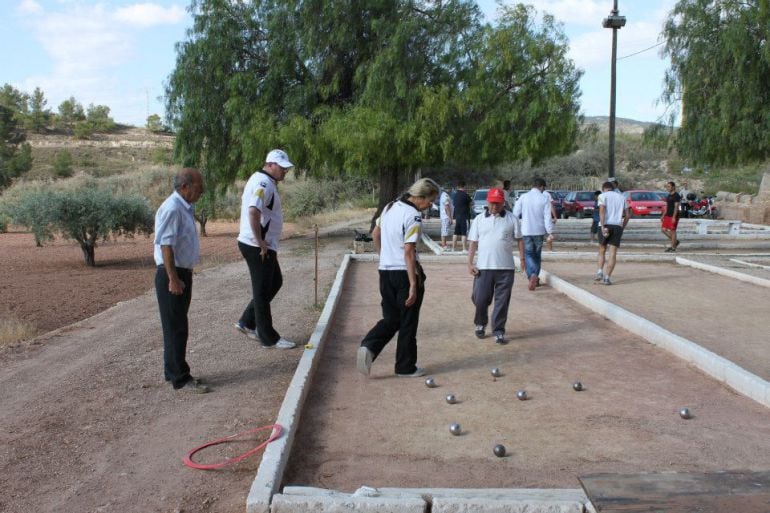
85	215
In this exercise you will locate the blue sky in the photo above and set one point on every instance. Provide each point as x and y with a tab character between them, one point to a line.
119	52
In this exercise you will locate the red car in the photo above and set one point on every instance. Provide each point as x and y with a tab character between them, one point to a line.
579	204
645	203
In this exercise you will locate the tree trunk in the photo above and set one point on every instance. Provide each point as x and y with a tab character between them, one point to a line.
389	190
88	254
202	220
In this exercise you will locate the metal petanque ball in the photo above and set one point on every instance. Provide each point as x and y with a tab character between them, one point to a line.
499	450
455	428
496	372
430	383
685	413
577	386
451	399
522	395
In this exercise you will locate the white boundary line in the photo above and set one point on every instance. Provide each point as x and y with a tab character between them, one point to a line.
270	472
724	272
749	264
716	366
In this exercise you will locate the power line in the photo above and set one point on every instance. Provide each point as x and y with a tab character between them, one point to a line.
641	51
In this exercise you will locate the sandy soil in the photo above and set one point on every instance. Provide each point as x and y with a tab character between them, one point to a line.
389	431
87	423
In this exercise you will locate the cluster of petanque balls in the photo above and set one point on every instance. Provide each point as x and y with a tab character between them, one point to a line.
499	449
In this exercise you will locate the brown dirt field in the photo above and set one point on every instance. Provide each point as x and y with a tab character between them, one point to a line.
386	431
86	421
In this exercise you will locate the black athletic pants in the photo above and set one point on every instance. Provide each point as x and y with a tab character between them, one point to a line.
173	319
396	317
266	281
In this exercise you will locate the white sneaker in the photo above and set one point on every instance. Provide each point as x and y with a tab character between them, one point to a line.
364	360
246	331
599	276
282	344
416	374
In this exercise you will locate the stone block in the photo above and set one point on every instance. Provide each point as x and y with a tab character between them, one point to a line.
345	504
457	505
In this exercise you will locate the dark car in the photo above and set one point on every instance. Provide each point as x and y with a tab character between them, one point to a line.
579	204
556	200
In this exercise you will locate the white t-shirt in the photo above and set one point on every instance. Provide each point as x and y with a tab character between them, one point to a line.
400	224
614	205
444	200
261	192
495	236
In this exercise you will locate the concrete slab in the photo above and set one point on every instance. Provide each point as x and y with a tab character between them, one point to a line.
345	504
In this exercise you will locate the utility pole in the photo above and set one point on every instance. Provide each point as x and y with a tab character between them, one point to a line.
614	21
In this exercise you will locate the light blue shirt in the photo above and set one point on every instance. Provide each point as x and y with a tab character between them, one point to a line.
175	227
534	209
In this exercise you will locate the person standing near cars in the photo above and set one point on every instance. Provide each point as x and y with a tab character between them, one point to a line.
670	219
462	213
402	280
260	231
595	217
534	210
445	213
494	235
614	213
177	250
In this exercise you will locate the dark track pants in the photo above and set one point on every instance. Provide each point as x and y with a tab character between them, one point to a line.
396	317
173	319
266	281
492	284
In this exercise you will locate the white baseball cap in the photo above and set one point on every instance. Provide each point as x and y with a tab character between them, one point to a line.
279	157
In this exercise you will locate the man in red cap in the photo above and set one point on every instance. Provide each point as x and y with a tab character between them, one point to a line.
493	236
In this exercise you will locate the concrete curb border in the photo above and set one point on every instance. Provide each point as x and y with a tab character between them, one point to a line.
724	272
716	366
270	471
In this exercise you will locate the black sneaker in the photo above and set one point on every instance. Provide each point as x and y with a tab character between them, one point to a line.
500	340
479	331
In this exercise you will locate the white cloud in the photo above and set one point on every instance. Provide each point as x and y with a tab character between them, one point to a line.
588	13
29	7
147	14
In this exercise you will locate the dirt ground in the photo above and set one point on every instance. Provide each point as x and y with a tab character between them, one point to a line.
87	423
393	432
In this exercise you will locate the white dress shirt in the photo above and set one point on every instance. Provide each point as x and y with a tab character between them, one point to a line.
534	209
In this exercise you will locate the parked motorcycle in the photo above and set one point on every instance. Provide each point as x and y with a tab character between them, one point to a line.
699	208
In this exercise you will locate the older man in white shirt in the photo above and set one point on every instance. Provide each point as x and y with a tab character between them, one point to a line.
177	251
534	210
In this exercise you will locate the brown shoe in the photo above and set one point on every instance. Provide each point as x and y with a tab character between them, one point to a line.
532	282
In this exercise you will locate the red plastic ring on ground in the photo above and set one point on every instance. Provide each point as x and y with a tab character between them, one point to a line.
212	466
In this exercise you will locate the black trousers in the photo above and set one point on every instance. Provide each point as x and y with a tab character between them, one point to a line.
266	281
396	317
173	319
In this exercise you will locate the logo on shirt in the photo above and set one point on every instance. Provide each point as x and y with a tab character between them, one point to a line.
417	219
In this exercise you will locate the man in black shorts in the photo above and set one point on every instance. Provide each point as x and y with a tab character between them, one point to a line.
614	213
462	208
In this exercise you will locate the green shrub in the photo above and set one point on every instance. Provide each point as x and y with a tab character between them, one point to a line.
3	223
62	164
313	196
85	215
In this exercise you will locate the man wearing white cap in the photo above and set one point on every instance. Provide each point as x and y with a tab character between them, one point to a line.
261	225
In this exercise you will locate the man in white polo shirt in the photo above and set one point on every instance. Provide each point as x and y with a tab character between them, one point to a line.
614	213
493	234
534	210
261	226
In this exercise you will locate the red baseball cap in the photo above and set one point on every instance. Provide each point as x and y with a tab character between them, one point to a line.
495	196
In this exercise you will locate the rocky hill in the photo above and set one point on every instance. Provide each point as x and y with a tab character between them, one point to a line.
622	125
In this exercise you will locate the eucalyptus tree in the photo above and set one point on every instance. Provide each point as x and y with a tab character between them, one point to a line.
720	68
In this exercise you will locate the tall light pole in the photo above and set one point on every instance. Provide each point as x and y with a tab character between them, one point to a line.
614	21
